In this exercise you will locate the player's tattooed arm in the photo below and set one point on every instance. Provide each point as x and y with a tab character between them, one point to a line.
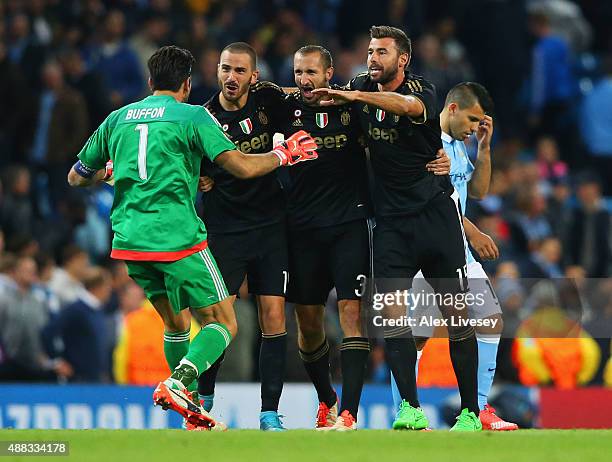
403	105
482	243
478	187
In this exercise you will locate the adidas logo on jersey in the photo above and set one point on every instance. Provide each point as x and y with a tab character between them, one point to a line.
297	123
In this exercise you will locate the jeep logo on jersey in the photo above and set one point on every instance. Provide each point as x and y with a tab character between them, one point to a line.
321	118
247	126
380	115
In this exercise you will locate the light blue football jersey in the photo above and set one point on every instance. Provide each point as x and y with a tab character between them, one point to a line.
460	174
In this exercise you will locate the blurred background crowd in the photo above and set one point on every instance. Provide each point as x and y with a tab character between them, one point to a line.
68	313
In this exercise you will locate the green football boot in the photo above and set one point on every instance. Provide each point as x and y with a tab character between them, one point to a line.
410	418
467	422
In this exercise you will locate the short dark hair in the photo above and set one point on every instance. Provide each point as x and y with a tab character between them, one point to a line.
466	94
402	42
169	67
326	57
243	47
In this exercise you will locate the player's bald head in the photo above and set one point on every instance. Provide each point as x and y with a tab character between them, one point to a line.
245	48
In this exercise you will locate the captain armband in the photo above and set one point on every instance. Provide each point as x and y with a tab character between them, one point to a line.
83	170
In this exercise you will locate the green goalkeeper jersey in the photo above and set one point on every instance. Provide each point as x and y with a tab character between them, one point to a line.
156	146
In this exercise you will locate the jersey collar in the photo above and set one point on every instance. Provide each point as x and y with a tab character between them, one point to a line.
446	137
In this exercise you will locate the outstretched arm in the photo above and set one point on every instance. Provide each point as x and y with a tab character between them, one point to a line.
299	147
247	166
403	105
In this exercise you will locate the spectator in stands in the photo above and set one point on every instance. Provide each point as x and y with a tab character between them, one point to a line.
566	20
545	261
41	26
431	60
152	34
139	355
552	82
23	314
16	214
529	225
65	281
205	80
550	168
118	63
13	95
82	327
557	207
89	83
588	240
24	50
60	129
596	124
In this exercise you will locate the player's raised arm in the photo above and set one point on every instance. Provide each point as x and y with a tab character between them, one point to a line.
299	147
478	187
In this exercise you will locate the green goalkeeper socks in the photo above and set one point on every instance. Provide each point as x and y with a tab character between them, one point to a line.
176	346
204	350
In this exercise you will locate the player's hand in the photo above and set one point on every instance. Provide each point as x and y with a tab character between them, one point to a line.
331	97
485	132
299	147
441	165
205	183
109	177
484	246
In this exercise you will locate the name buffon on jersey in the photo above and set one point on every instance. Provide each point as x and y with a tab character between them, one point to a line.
145	113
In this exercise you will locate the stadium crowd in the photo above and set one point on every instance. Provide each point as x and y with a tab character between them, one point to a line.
67	311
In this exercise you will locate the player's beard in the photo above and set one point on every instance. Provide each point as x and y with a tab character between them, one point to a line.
387	75
234	95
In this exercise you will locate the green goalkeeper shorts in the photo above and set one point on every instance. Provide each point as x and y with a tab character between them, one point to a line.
191	282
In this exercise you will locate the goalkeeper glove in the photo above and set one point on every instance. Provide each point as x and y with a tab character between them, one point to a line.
299	147
108	175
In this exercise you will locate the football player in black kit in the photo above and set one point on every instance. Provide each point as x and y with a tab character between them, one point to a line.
418	221
245	219
329	236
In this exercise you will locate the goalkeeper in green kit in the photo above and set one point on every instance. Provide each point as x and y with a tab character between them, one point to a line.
152	150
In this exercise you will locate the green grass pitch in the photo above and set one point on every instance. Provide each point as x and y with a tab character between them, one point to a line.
311	446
